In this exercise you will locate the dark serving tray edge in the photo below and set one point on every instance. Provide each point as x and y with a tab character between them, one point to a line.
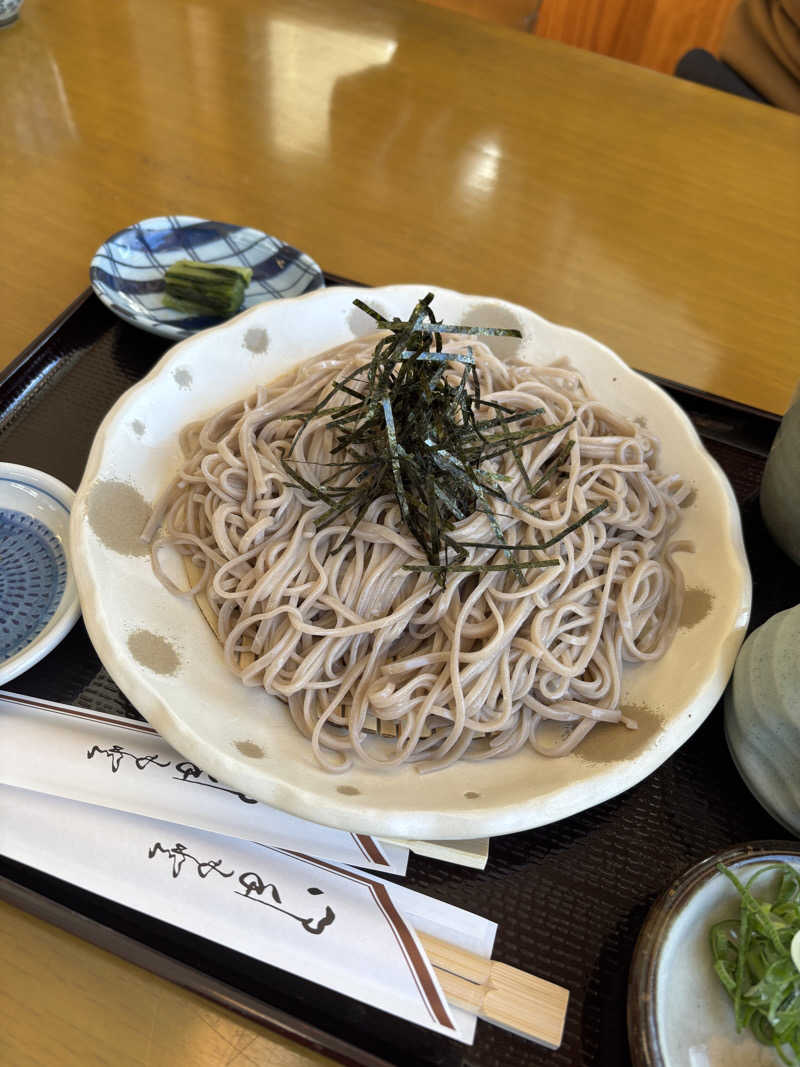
740	438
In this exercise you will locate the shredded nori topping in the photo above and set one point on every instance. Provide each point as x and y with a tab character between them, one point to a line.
410	432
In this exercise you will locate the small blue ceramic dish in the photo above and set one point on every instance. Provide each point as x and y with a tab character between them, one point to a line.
127	271
38	597
33	575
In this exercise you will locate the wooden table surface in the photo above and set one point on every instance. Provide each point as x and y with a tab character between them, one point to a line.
399	143
395	142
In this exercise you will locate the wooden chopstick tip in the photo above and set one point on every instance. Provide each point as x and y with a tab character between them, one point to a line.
504	996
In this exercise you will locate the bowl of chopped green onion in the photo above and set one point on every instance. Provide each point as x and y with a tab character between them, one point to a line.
174	275
715	980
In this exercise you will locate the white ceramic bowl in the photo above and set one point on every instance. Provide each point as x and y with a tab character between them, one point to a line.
679	1015
164	657
9	11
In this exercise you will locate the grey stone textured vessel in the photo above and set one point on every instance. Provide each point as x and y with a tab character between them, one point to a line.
762	716
780	486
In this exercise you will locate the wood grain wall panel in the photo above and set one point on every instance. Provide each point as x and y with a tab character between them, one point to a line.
678	26
614	28
651	33
514	13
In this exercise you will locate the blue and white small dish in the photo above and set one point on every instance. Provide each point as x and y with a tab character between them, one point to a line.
9	11
38	598
127	271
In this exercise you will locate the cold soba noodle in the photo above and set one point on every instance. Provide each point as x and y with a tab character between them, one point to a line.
469	666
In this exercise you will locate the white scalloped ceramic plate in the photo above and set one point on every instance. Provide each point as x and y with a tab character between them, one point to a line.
163	656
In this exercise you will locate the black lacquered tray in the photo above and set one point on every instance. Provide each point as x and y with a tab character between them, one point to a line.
569	898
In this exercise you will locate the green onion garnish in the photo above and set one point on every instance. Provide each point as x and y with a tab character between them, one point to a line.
753	961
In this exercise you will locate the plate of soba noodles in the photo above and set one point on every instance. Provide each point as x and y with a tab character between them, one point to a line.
410	562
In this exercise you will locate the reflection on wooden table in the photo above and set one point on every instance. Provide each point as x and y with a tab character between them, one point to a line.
64	1003
399	142
395	142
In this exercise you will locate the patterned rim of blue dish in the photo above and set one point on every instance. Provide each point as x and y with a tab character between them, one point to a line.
38	598
33	576
127	271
